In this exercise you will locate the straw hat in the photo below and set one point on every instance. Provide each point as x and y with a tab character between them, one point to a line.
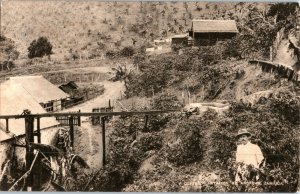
243	132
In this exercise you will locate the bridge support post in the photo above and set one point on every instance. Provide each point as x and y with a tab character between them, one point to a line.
7	126
29	128
38	129
71	124
38	163
103	141
146	122
79	119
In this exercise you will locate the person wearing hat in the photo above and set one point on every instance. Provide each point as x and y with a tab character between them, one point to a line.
247	154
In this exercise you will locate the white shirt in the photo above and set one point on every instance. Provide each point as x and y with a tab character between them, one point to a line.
249	154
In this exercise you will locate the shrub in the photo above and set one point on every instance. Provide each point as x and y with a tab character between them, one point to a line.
184	146
112	54
39	48
149	141
127	51
165	101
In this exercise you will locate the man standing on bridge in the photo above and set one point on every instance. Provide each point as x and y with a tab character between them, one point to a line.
249	158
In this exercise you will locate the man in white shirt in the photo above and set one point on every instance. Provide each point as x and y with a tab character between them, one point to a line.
248	155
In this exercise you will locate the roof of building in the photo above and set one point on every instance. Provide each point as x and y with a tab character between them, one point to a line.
39	88
14	99
214	26
69	87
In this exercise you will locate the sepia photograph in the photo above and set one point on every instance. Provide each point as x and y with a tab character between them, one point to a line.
162	96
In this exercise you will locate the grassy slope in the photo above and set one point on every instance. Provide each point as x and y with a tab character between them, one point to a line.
79	25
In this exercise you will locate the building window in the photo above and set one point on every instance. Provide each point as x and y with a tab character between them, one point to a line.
48	106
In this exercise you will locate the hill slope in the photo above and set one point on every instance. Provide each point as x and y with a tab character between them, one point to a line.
89	27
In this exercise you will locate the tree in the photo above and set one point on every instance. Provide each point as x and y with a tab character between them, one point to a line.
39	48
281	11
8	53
186	6
123	74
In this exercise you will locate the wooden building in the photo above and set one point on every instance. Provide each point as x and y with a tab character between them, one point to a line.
208	32
49	96
181	39
14	99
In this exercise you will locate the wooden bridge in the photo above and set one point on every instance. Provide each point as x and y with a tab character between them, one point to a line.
30	133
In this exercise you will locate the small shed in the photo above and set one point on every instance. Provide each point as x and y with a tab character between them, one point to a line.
208	32
69	88
180	39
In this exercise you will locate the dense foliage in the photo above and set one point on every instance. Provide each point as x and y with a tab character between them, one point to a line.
191	70
184	144
273	123
205	147
8	54
39	48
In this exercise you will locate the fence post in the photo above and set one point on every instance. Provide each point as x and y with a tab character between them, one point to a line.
29	127
7	126
79	119
71	130
38	126
146	122
103	140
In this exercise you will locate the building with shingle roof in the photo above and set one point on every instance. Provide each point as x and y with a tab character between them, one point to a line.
42	91
208	32
14	99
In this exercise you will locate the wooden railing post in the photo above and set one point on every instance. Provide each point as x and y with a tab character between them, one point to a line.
71	130
38	126
146	122
103	140
7	125
79	120
29	128
38	163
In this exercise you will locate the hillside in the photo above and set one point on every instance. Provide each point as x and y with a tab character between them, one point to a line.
92	28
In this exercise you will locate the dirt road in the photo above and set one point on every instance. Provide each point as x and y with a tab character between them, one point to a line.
113	91
88	138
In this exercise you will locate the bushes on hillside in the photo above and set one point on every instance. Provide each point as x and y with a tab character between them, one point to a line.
149	141
124	52
273	129
172	70
8	54
191	145
127	51
184	144
166	101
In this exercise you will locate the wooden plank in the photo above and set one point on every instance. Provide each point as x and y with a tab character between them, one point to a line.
86	114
